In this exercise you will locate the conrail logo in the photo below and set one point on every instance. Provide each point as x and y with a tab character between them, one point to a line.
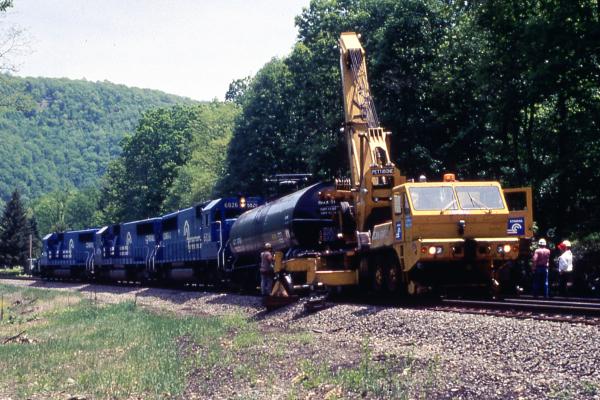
516	226
186	229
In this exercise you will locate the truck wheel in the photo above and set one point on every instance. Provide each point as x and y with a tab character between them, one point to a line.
378	274
393	278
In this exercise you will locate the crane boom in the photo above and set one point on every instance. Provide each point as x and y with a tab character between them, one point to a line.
372	173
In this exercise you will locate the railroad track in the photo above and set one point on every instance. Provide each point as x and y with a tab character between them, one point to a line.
571	310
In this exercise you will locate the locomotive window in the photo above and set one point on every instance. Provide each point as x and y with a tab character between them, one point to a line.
479	197
433	198
145	229
86	237
170	224
231	213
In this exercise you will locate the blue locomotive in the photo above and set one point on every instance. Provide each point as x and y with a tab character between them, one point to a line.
68	254
189	245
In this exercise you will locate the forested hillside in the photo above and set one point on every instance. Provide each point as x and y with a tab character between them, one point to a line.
60	133
505	90
171	160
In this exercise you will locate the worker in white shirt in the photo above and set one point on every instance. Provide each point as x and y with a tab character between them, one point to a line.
565	266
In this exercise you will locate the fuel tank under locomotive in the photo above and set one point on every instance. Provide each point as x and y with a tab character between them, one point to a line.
299	221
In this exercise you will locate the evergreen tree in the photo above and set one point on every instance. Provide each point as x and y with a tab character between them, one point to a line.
14	233
35	236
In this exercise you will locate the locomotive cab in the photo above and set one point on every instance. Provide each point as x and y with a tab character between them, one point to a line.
67	254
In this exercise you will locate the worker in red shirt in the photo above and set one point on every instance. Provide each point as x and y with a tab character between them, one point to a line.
540	263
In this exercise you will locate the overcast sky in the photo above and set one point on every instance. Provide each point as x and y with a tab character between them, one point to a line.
193	48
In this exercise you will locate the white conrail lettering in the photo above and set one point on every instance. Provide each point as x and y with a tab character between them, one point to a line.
194	243
251	204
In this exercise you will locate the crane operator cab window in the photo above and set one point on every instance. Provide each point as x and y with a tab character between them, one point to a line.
516	200
434	198
381	157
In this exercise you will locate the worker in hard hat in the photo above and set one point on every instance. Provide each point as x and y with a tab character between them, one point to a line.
565	267
540	263
267	271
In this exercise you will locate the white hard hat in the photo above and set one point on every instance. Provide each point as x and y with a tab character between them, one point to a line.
542	242
267	245
422	178
566	243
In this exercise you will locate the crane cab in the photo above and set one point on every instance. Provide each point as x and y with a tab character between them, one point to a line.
448	233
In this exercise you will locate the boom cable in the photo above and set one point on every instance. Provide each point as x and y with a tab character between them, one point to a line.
364	100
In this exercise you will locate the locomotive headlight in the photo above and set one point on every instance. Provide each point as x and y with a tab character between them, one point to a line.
506	248
432	250
242	202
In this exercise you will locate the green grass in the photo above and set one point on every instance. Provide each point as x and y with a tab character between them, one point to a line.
589	389
14	271
75	346
31	293
390	377
116	351
14	301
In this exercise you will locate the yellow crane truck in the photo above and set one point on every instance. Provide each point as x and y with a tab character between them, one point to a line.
397	235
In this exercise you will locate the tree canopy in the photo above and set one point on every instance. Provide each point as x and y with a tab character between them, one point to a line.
505	90
173	159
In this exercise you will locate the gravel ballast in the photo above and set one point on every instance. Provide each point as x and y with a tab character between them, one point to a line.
474	356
